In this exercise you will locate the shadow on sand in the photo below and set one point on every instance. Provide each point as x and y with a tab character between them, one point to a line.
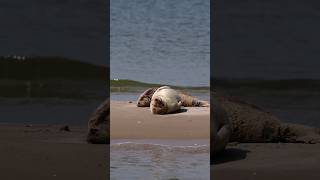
181	111
230	154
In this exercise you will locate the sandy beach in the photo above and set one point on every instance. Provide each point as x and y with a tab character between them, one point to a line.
46	152
131	122
265	161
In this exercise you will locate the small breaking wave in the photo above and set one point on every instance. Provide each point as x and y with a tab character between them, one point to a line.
134	146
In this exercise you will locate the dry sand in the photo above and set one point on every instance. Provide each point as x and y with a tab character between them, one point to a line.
45	152
131	122
267	161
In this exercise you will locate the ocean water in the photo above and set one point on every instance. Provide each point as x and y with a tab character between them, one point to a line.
161	41
123	96
160	159
47	111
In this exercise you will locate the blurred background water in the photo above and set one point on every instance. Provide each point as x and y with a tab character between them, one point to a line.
68	28
65	28
266	40
47	111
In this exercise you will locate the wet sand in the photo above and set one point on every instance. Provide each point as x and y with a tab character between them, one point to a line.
265	161
131	122
45	152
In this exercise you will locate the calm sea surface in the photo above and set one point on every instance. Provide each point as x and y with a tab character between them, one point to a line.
47	111
161	41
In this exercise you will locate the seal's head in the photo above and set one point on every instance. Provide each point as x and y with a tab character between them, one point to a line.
158	106
145	98
143	101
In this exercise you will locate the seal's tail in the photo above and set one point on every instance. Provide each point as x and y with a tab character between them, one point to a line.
199	103
189	101
203	104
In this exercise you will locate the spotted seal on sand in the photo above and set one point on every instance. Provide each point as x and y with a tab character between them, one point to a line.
144	99
165	100
99	124
252	124
221	128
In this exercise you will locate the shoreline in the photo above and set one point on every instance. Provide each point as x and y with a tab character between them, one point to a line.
164	142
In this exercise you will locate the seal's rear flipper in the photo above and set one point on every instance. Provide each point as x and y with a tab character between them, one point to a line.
204	104
296	133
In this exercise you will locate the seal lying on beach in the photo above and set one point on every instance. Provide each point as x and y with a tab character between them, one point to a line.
144	99
165	100
221	129
99	124
251	124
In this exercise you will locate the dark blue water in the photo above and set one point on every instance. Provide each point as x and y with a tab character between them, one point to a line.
161	41
266	39
47	111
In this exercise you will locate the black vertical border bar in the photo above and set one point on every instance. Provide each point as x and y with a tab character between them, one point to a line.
216	34
211	73
108	50
108	81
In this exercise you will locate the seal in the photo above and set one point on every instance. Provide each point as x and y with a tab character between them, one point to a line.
99	124
221	129
252	124
165	100
144	99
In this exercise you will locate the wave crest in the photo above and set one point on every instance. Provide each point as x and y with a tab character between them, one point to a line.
132	146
